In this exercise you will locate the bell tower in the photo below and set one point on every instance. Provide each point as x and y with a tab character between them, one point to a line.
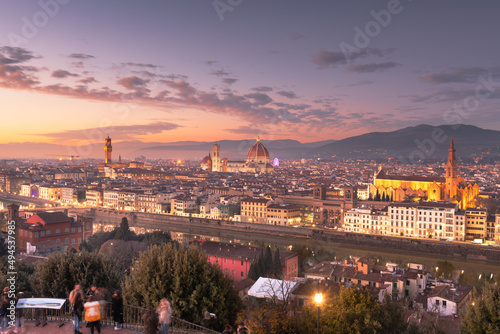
451	172
107	150
216	161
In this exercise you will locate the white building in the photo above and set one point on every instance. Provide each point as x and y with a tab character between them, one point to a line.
423	220
68	195
449	299
93	197
366	220
110	198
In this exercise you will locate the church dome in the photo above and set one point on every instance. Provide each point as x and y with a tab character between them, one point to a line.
206	159
258	153
206	163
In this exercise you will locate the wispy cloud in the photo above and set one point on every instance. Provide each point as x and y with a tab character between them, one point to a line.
63	74
460	75
229	81
372	67
326	58
143	65
220	73
88	80
80	56
255	107
118	132
133	82
262	89
288	94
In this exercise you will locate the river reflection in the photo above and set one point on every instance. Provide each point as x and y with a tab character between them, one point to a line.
320	251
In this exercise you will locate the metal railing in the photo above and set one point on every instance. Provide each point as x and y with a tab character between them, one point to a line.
132	319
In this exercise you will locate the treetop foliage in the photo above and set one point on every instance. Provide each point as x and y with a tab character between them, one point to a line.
57	276
187	279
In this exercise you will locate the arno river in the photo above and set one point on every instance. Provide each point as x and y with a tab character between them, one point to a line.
337	251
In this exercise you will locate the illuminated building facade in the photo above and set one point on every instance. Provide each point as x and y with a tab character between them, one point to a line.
107	150
452	187
257	161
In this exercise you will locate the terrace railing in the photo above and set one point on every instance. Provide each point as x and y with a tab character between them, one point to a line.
132	319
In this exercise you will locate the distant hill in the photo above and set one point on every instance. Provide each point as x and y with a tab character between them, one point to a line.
430	142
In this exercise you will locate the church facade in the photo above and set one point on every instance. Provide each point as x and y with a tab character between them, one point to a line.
257	161
451	188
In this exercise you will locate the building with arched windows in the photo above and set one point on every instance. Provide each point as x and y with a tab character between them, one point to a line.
257	161
452	187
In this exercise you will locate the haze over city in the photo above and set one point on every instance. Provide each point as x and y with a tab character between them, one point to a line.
162	71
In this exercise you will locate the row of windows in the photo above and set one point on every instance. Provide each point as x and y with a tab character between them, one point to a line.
48	232
233	272
217	259
66	241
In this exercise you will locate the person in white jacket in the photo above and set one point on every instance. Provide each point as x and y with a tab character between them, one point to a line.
164	315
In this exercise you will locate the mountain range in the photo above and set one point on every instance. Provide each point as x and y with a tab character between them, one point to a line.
410	144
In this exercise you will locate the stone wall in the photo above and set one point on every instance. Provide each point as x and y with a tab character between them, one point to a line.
442	248
426	247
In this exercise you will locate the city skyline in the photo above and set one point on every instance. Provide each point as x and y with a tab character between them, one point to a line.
75	72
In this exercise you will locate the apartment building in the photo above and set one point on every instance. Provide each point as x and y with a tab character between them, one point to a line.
69	195
94	197
110	198
475	223
254	210
283	214
50	193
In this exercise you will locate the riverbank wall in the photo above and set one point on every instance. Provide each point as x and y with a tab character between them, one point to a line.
223	227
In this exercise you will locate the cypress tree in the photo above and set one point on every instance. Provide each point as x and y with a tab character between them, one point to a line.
123	232
268	262
277	264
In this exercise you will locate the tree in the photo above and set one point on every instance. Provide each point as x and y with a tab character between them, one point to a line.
57	276
3	247
354	310
123	232
187	279
123	253
278	271
23	276
96	240
268	261
483	315
392	316
157	238
445	269
377	196
266	265
267	319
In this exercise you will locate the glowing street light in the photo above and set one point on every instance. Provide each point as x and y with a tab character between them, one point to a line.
318	298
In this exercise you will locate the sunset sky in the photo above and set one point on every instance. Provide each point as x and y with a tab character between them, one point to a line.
172	70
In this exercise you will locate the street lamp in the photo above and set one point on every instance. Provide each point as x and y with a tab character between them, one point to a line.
318	298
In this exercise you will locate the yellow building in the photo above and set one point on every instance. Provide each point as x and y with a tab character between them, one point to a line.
51	193
254	210
449	188
475	223
283	214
